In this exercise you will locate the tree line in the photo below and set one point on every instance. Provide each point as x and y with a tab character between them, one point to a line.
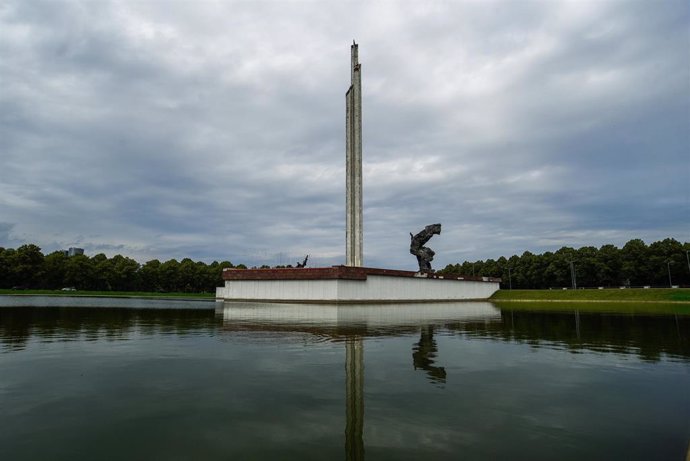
27	267
635	264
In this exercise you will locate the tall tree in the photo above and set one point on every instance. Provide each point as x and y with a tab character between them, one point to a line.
6	273
635	264
609	267
124	273
170	275
666	256
80	273
54	269
103	272
150	277
27	266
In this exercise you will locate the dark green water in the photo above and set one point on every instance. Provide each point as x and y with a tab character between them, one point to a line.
133	379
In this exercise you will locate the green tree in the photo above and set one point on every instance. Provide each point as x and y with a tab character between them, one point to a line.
662	252
635	264
54	270
102	271
684	277
123	276
450	269
27	266
189	276
490	269
170	275
80	273
150	276
557	273
6	276
218	273
609	268
529	270
515	271
586	266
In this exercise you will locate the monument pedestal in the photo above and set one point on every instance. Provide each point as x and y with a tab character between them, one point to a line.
354	285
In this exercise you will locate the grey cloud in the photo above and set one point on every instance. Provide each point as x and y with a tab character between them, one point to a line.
6	239
215	130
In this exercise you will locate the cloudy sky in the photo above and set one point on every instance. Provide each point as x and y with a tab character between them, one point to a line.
216	130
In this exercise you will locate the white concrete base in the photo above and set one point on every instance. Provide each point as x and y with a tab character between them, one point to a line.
375	289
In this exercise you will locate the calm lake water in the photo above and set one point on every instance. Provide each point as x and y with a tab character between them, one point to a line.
86	378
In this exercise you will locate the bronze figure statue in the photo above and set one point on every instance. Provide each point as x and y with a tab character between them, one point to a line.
424	254
304	263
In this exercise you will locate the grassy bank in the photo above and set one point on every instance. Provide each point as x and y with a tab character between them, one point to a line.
109	294
609	295
628	301
601	307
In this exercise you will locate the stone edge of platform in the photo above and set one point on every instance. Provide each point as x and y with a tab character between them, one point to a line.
337	273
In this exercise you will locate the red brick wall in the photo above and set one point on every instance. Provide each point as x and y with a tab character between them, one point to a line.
326	273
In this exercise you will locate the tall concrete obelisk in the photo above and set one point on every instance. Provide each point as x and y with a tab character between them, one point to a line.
353	147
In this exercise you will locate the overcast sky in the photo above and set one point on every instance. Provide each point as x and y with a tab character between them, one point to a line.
216	130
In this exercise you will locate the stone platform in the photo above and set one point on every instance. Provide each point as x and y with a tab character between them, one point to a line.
347	284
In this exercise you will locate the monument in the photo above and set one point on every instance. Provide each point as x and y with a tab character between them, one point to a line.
352	282
353	163
424	255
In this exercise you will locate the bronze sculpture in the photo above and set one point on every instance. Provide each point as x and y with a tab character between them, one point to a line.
424	254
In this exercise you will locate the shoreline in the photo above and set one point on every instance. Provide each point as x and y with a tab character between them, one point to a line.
210	297
587	301
680	295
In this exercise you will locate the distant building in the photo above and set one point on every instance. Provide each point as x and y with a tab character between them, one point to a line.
73	252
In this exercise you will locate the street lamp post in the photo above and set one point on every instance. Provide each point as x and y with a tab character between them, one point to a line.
668	266
510	280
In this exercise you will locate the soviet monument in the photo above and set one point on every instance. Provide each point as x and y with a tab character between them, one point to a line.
303	263
424	254
353	282
353	163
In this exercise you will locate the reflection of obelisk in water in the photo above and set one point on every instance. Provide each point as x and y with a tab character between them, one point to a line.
353	166
354	387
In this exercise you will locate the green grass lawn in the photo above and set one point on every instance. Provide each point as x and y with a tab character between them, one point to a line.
108	294
610	295
601	307
664	301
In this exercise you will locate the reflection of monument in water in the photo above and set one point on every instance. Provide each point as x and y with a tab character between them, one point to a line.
352	282
425	353
354	398
353	324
